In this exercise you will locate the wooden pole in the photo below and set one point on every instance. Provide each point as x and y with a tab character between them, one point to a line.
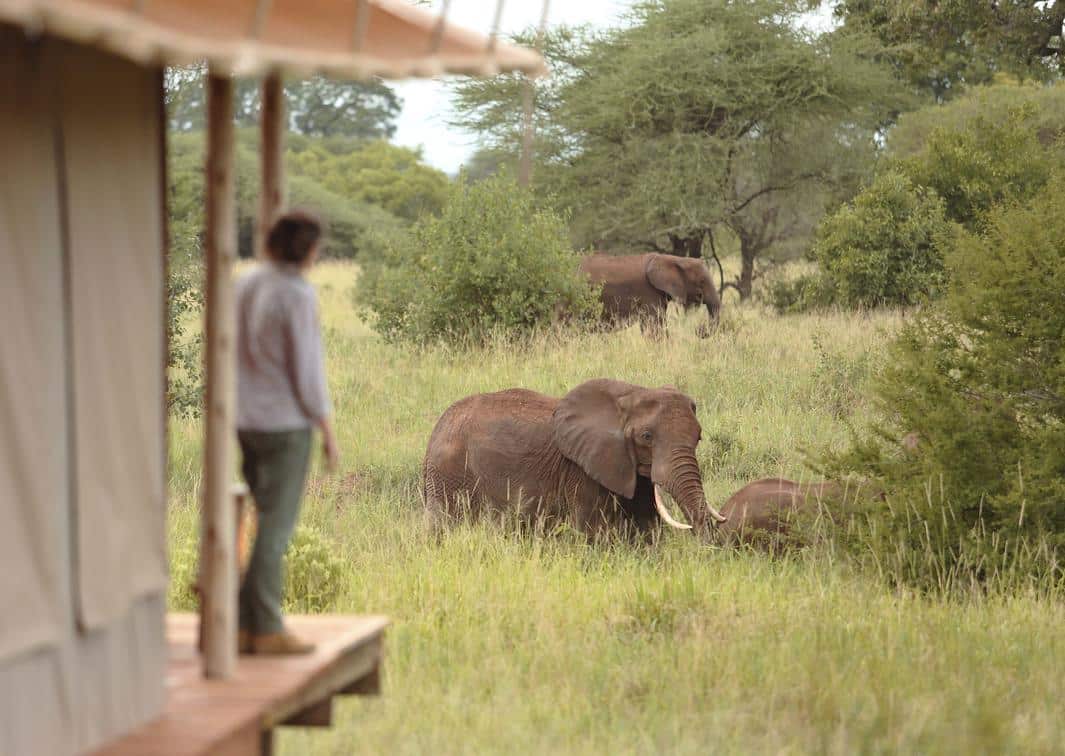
217	551
525	163
272	197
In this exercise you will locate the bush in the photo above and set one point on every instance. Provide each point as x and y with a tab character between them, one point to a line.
982	164
355	230
356	227
809	291
491	261
981	379
884	248
314	575
994	102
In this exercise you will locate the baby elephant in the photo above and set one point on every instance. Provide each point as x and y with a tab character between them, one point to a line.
596	458
765	511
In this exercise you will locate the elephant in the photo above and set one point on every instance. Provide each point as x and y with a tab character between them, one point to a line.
764	511
641	286
597	458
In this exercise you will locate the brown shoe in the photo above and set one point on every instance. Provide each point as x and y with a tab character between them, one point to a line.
244	642
283	643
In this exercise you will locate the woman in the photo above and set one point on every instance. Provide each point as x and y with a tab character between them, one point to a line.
281	397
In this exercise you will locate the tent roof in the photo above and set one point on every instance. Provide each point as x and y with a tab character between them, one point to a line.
344	38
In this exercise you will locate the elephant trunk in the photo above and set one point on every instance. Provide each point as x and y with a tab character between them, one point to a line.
713	312
683	481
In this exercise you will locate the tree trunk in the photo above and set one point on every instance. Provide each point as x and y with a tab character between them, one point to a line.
687	246
746	282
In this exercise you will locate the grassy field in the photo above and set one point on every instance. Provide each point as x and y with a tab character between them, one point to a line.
503	643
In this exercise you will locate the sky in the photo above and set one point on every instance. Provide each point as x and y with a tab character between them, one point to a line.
426	103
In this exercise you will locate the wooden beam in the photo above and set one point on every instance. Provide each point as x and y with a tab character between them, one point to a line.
217	537
316	715
368	685
272	196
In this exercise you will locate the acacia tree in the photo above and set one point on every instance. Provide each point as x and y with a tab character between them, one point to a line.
699	116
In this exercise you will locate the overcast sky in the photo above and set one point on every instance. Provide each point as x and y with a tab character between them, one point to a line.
426	103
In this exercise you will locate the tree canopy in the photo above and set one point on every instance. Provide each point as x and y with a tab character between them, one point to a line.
943	46
316	106
695	117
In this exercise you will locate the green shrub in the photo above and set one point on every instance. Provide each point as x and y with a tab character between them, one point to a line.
355	230
884	248
993	102
491	261
314	575
357	226
809	291
982	164
980	378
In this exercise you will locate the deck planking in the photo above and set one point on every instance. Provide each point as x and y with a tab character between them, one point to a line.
234	717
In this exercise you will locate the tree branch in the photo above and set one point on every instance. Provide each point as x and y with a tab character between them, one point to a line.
774	188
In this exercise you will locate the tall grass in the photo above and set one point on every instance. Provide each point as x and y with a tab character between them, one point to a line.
509	643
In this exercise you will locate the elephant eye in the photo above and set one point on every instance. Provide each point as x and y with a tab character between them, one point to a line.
646	435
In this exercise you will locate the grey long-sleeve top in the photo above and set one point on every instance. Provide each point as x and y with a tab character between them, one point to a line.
280	362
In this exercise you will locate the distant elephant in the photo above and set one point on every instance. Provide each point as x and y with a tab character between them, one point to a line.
595	458
640	286
766	509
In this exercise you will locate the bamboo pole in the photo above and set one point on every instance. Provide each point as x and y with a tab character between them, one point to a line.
219	564
272	197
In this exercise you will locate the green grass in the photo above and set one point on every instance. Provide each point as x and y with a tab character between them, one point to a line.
504	643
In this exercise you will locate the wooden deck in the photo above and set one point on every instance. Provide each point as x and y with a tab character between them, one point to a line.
237	716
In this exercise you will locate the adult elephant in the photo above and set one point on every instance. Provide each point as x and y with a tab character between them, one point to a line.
763	512
596	458
641	286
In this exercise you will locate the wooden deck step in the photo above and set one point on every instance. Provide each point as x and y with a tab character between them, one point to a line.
237	716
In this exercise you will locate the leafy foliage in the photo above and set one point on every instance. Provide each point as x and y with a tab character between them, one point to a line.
1042	107
945	46
356	227
375	173
948	164
314	574
980	379
694	117
982	165
316	106
184	387
884	248
492	260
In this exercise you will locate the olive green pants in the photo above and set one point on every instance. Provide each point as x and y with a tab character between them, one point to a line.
275	467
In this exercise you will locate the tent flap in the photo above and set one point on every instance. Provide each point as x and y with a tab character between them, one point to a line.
33	423
111	118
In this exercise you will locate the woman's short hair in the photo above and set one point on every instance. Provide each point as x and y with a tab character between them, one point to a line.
293	236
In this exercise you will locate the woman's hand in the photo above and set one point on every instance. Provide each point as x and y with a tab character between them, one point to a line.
329	445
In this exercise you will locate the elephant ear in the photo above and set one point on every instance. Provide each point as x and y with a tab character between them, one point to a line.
587	426
666	276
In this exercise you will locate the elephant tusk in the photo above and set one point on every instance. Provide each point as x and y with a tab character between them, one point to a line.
718	517
664	514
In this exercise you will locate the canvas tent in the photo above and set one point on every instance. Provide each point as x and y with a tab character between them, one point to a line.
83	573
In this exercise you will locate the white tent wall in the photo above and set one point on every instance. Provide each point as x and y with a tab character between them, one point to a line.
82	656
111	143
